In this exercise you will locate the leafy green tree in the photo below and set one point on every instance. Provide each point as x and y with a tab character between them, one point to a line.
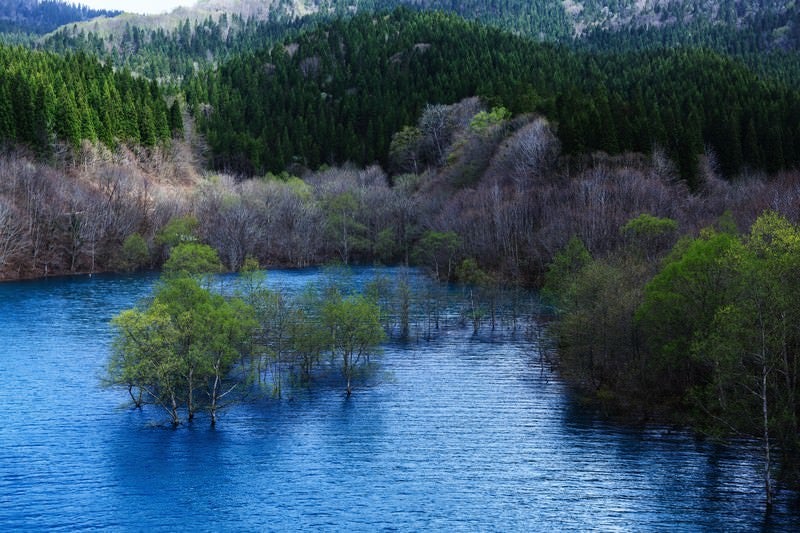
354	329
596	331
192	259
179	230
438	251
310	339
179	350
404	151
753	346
650	235
135	253
679	306
144	359
485	120
343	227
562	271
275	315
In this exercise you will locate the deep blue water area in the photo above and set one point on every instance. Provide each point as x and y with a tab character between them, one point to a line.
462	432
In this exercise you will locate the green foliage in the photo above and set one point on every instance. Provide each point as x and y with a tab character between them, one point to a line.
343	227
469	272
74	98
404	151
646	226
562	271
179	230
712	336
752	346
650	235
596	327
192	259
680	303
250	266
438	251
488	119
179	350
720	319
135	253
355	330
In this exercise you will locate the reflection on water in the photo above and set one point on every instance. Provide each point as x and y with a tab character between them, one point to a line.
455	433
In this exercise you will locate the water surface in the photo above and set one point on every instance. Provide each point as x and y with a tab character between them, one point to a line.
459	433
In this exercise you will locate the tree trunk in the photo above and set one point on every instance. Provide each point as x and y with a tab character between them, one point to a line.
189	402
767	458
173	413
137	400
765	412
214	400
348	370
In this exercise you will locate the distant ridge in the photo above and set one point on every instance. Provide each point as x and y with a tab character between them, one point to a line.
39	17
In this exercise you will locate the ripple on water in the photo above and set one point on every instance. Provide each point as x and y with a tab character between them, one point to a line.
458	434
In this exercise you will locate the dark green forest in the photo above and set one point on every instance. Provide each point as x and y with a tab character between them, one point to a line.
316	100
540	19
47	97
730	27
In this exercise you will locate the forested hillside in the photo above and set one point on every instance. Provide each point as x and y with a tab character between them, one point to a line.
316	99
176	54
47	97
175	45
42	16
559	19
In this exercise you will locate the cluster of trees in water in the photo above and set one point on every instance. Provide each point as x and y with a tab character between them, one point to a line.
704	325
188	349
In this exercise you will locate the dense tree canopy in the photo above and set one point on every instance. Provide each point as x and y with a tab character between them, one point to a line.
316	99
44	97
710	331
176	54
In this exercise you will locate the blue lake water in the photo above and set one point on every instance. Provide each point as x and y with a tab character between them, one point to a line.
458	433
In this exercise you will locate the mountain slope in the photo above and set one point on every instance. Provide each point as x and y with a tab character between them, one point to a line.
174	45
317	99
47	97
34	16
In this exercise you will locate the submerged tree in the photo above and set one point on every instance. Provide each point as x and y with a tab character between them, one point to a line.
355	331
753	345
178	350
